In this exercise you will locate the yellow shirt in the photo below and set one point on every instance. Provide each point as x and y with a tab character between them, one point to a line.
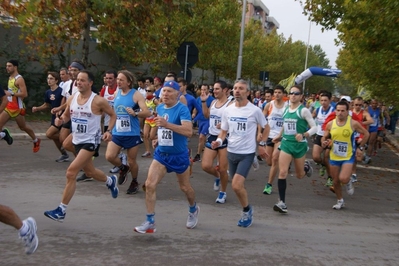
343	141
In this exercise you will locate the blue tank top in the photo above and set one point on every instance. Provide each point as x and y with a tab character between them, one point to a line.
126	125
375	114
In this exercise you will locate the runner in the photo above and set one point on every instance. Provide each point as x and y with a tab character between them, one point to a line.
294	145
84	109
171	155
15	108
339	134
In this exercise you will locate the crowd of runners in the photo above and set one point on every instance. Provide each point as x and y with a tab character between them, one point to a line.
237	127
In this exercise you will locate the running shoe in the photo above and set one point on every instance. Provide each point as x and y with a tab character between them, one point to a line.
340	204
280	207
56	215
268	189
216	184
255	164
114	170
221	198
113	187
246	218
350	188
329	182
322	170
84	178
308	169
8	137
36	145
146	228
367	159
30	239
146	154
123	175
192	218
354	178
63	158
134	187
197	158
123	158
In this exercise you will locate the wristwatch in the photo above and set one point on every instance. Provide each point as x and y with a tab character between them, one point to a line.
262	143
12	93
360	148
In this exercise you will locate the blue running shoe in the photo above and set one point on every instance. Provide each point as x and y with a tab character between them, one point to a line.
56	215
246	218
114	189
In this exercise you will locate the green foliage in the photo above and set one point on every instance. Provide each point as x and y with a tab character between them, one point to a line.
368	31
150	31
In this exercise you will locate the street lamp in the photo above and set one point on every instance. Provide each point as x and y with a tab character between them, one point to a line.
239	64
307	54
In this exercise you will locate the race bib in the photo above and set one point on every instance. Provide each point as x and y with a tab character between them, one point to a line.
290	128
239	125
165	137
123	123
79	125
340	148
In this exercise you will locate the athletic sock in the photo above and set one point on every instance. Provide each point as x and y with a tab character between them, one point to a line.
109	181
24	229
193	208
150	217
282	186
63	207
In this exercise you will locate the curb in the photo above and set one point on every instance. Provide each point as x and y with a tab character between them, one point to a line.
26	136
391	140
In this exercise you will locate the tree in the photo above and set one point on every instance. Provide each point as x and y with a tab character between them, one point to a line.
368	31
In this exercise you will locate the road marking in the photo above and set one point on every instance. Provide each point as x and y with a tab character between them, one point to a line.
377	168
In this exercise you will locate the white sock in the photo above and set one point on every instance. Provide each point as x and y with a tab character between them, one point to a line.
109	181
63	207
2	134
35	140
24	229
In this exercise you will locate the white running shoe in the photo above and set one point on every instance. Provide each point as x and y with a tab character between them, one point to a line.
340	204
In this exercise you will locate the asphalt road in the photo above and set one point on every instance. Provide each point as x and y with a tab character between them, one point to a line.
98	230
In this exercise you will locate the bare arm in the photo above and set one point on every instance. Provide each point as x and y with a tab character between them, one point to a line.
139	99
185	129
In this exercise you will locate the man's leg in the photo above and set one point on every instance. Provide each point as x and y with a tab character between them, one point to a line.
27	228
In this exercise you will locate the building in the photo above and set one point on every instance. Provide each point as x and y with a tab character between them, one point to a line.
257	10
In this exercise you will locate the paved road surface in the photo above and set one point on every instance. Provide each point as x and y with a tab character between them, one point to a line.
98	230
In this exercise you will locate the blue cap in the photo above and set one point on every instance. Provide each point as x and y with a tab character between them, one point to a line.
172	84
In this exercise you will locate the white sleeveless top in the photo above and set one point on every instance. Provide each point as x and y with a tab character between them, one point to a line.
321	116
110	99
86	126
275	119
215	117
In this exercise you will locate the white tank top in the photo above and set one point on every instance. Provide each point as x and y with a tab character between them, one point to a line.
321	117
86	126
215	117
275	119
110	99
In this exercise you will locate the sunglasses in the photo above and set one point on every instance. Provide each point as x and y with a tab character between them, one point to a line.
148	90
296	93
358	104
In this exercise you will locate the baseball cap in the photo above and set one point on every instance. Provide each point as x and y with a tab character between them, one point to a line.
172	84
346	98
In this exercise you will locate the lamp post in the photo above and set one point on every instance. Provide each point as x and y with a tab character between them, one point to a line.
239	63
307	54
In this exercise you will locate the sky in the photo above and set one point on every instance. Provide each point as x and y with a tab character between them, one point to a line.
293	23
